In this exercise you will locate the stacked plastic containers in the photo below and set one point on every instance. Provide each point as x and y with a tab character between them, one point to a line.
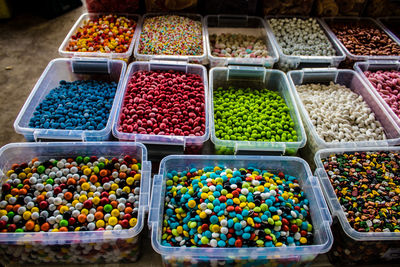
62	50
199	59
352	80
191	144
352	247
290	62
69	70
361	67
255	78
352	58
250	256
81	247
237	24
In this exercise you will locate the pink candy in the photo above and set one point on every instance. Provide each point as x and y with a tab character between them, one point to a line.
164	103
387	83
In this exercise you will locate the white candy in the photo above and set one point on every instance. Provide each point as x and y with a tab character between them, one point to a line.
299	37
338	114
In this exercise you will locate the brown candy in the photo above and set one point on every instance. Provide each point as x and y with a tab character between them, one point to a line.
366	40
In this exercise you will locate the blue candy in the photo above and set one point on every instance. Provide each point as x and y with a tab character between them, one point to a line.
78	105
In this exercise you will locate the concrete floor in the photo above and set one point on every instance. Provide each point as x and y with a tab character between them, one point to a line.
27	44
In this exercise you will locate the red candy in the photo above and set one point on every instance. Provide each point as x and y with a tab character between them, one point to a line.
164	103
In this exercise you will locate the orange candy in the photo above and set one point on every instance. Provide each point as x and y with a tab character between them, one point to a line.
45	227
63	229
68	195
82	218
93	179
29	225
99	215
103	173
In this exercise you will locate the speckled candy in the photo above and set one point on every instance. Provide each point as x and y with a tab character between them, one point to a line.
171	35
387	84
164	103
368	187
78	105
105	34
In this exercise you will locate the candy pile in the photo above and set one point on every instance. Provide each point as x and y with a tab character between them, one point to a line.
367	185
164	103
252	115
71	194
171	35
301	37
363	39
223	207
387	83
78	105
338	114
106	34
238	45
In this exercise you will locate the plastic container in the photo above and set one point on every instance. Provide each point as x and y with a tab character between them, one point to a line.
360	67
288	7
188	143
114	6
392	25
74	247
245	7
352	80
200	59
255	78
351	247
367	21
332	8
124	56
249	25
164	5
261	256
288	62
69	70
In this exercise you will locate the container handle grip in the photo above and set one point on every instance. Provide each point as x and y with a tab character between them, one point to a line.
159	64
247	72
155	201
91	66
326	216
146	181
275	148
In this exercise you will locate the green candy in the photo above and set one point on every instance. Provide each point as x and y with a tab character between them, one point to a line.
252	115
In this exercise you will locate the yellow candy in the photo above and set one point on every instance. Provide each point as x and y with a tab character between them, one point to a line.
27	215
130	180
203	215
85	186
100	224
82	198
137	177
132	222
112	221
87	171
114	186
115	212
303	240
192	203
96	200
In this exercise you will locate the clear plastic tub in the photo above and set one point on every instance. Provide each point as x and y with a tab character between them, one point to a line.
360	67
75	247
261	256
351	247
70	70
255	78
200	59
288	62
352	80
188	143
367	21
392	25
124	56
249	25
